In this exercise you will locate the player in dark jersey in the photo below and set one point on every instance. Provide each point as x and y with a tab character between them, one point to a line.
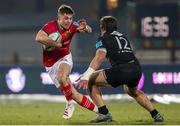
125	70
55	36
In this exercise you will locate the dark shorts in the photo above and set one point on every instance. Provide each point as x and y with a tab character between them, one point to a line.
129	74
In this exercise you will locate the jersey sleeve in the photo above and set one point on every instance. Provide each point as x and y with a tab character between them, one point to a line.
74	27
100	43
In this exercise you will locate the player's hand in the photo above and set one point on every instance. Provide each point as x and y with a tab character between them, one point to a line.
58	44
82	82
82	24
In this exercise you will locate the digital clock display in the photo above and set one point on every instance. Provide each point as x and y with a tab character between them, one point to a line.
157	20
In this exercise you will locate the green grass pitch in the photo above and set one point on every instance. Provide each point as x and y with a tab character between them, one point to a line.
50	114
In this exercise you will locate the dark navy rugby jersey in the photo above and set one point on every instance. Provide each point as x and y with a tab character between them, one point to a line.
118	48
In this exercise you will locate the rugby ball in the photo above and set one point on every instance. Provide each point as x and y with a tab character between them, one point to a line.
54	36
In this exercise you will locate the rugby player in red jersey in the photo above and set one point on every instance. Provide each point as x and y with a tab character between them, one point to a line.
56	37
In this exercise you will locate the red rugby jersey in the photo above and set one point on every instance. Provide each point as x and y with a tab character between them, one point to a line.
50	57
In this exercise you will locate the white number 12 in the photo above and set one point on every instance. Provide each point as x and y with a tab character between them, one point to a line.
120	45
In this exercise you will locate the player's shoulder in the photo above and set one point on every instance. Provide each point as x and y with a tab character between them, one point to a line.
106	37
117	33
101	38
74	26
114	34
51	23
50	27
99	42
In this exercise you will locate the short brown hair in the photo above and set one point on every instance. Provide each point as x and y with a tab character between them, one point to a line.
65	9
108	23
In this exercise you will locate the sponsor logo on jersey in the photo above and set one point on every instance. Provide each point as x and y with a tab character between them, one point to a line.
75	23
98	44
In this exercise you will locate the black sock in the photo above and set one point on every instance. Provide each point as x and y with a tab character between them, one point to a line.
154	112
103	110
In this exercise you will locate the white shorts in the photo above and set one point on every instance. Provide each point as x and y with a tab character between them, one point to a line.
53	70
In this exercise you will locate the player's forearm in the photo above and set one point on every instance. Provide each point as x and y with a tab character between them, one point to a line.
96	62
45	40
94	65
98	59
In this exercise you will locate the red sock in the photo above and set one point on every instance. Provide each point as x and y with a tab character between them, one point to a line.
67	91
87	103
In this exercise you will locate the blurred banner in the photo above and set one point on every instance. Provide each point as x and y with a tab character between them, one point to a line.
159	79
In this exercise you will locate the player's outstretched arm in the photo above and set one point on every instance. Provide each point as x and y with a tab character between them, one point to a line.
83	27
44	39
